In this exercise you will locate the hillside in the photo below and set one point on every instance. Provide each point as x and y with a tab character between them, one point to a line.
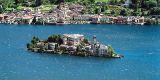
113	7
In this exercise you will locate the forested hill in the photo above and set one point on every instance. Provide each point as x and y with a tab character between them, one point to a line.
119	7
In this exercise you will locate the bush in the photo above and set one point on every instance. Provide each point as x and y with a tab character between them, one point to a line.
111	51
1	9
124	12
86	41
55	38
35	40
155	11
151	3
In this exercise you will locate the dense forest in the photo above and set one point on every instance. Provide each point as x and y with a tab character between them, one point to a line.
136	7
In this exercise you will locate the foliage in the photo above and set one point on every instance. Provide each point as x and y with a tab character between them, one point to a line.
1	9
113	2
19	8
111	50
139	7
92	1
151	3
28	45
97	11
86	41
155	11
35	40
102	0
124	12
55	38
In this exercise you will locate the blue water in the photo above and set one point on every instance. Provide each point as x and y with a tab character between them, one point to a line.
139	44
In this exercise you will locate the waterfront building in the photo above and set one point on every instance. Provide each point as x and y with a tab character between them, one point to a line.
97	48
96	19
52	46
139	20
94	46
82	18
129	20
27	19
120	20
104	19
102	50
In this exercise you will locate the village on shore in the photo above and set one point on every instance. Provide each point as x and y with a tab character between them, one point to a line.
69	14
72	44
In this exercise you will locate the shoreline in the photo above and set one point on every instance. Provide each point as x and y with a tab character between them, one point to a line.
79	24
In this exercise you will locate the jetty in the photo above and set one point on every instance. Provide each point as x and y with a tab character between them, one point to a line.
72	44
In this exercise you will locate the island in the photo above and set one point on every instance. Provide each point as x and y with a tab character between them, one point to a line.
72	44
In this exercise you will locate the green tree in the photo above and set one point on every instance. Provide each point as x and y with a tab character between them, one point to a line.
136	4
151	4
155	11
45	2
92	1
124	12
28	45
137	12
52	38
113	2
55	38
113	12
122	1
103	8
86	41
97	10
35	40
1	9
7	3
111	51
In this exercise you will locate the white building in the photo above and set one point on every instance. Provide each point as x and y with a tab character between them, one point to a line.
102	50
52	46
72	39
127	3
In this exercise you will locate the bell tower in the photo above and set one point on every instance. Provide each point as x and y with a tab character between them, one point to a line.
94	39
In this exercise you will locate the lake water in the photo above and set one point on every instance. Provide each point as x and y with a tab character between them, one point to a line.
139	44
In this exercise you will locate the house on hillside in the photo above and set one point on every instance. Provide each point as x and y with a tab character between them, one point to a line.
27	19
127	3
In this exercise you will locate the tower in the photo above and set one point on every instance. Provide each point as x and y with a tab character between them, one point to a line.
94	39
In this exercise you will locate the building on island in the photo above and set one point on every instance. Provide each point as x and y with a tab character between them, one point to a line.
72	39
97	48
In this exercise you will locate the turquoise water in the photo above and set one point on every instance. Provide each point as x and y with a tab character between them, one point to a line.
139	44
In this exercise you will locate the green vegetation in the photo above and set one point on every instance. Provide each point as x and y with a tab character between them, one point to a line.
107	7
55	38
86	41
111	51
33	43
102	0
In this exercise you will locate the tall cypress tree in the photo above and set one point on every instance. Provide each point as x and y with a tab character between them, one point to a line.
38	2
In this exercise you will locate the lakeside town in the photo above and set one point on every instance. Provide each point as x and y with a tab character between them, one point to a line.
65	13
72	44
